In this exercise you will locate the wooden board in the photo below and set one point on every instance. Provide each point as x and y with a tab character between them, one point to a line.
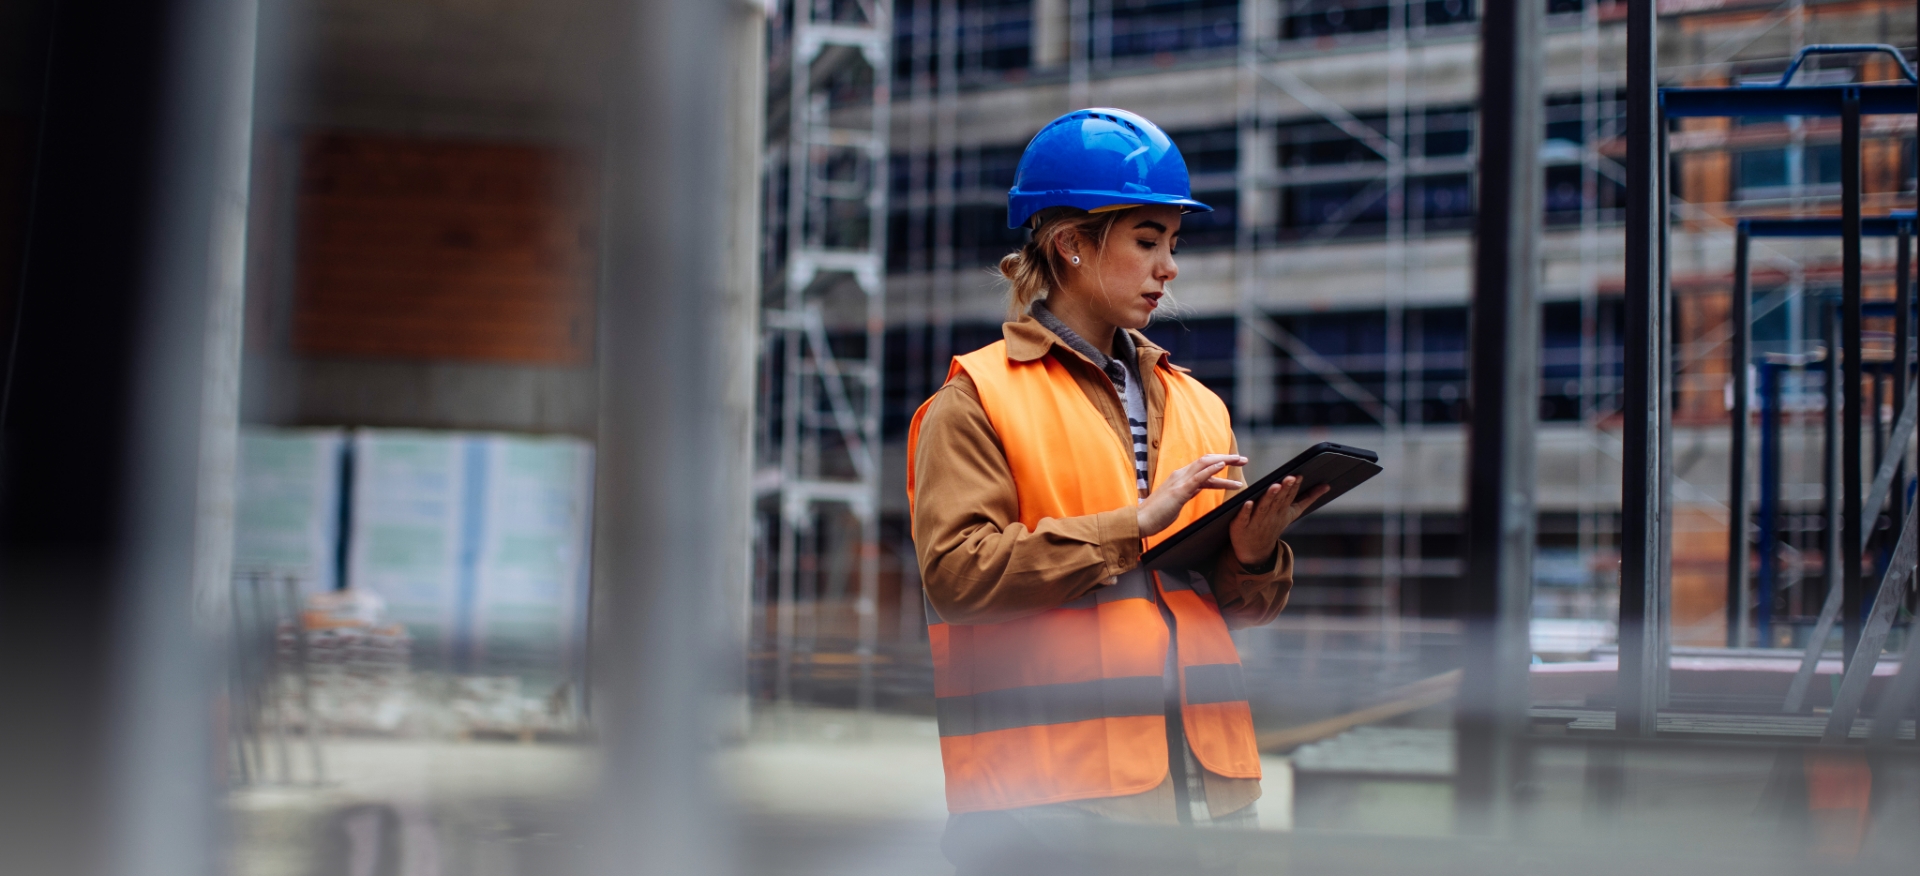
1783	726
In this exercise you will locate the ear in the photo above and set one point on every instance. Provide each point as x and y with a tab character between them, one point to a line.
1067	244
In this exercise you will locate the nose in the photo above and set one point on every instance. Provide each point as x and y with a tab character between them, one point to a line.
1165	268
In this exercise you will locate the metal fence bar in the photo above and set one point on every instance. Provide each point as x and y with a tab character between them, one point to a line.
1851	553
1659	622
303	666
1503	379
1740	367
266	606
1640	506
1640	403
659	560
240	707
1902	351
1762	598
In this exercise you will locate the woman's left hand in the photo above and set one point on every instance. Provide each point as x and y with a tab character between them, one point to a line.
1256	529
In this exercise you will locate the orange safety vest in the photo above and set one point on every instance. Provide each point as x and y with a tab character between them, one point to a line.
1069	704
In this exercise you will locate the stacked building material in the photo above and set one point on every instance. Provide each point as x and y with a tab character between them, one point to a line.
362	677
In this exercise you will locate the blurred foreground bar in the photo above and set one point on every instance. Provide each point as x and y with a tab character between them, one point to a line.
669	362
119	414
1496	592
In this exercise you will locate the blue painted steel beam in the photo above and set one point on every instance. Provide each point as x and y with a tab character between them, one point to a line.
1768	579
1867	308
1827	226
1885	99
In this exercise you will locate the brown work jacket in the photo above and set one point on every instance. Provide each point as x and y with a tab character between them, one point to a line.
980	564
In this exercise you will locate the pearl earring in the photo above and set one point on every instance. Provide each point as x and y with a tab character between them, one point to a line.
1076	260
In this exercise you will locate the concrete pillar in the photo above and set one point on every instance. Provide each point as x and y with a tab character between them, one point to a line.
1050	33
739	320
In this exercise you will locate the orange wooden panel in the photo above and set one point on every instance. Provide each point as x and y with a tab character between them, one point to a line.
1699	577
440	249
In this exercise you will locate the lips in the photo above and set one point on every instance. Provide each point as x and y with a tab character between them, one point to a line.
1153	298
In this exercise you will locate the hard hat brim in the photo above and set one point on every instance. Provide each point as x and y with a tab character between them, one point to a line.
1021	206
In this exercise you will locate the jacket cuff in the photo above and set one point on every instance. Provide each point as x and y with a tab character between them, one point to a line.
1119	532
1257	570
1277	567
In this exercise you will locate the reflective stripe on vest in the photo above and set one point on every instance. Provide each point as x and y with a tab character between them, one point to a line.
1068	704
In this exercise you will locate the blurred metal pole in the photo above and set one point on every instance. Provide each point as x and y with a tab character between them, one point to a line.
1740	367
1659	620
1902	352
1503	397
267	618
660	550
116	519
1636	702
1763	594
1853	586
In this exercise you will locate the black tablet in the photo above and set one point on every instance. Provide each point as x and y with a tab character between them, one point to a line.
1197	544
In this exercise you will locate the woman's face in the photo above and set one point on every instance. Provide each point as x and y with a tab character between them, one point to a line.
1123	281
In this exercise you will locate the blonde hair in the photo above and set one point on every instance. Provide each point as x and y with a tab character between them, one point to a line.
1037	266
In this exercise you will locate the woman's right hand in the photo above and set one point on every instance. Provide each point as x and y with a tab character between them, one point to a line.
1162	506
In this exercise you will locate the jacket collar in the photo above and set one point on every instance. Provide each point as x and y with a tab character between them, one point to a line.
1028	340
1124	360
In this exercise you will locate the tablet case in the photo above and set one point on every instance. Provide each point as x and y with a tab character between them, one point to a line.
1199	543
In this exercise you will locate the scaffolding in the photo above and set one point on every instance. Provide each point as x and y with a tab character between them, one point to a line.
1274	32
819	449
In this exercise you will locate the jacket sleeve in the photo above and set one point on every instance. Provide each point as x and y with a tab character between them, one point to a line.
978	562
1251	597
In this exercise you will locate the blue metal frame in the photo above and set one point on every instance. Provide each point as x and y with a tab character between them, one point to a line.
1768	579
1829	226
1845	49
1850	103
1646	475
1784	99
1812	100
1898	223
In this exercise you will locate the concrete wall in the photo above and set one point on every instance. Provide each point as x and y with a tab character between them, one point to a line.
428	395
514	72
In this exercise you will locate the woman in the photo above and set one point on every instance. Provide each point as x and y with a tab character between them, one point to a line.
1073	686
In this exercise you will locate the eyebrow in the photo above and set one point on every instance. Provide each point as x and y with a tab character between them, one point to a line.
1149	223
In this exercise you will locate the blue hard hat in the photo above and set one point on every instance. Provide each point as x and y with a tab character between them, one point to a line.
1099	157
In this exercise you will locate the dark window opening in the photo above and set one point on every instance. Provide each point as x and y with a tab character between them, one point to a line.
1164	27
993	43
